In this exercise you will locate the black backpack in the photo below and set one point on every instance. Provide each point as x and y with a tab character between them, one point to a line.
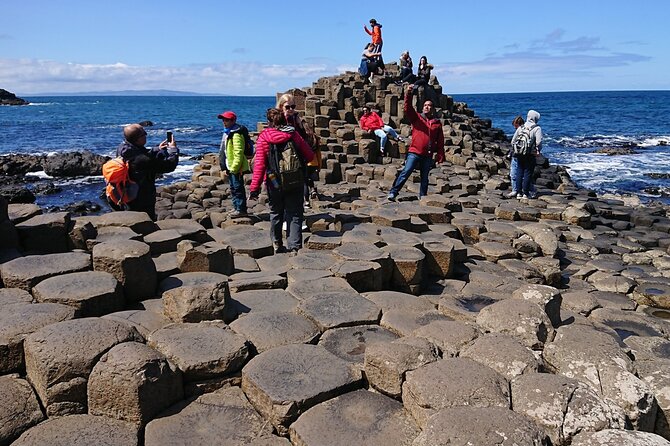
288	166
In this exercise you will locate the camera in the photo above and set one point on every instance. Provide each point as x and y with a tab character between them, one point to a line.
169	137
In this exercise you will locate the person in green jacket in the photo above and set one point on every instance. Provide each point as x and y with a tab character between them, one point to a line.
233	161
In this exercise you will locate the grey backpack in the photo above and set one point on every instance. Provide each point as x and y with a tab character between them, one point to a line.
524	143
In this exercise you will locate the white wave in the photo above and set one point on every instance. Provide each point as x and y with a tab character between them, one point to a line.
655	141
42	104
186	130
615	140
41	174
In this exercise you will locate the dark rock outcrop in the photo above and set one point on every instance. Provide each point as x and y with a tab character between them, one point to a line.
9	98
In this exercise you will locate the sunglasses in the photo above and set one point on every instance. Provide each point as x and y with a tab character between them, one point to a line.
289	107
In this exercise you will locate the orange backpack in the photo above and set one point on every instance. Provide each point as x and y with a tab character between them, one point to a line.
120	189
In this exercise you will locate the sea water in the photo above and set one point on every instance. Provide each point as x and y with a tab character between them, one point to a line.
575	124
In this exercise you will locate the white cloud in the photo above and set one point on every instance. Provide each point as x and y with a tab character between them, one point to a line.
30	76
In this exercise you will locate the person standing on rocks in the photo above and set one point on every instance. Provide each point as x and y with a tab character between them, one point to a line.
372	122
234	162
524	178
376	34
427	143
284	205
514	162
286	103
145	164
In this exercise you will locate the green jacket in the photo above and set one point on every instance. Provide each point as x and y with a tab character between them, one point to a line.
235	160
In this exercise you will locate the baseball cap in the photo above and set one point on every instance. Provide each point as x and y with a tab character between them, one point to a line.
228	115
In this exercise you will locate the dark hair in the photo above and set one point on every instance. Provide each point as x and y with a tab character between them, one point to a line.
275	117
518	121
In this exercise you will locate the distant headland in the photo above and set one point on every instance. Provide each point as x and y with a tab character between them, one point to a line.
9	98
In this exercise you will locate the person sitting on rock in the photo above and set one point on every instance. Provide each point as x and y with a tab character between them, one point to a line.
427	142
406	67
423	73
369	61
524	178
372	122
145	164
234	162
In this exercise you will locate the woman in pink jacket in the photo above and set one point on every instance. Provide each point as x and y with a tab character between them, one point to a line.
284	205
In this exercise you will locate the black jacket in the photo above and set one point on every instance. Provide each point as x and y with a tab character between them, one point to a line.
145	165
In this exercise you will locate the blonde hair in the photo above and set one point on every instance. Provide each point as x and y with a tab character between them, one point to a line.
283	99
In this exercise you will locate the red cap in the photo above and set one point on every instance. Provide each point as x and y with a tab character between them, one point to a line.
228	115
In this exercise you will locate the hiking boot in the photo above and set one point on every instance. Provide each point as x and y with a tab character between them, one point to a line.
391	197
511	194
279	249
237	214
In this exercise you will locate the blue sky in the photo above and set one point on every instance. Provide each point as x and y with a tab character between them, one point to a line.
257	48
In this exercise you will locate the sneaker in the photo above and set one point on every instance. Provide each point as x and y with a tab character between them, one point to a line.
314	195
524	197
280	249
532	195
401	139
391	197
519	196
237	214
511	194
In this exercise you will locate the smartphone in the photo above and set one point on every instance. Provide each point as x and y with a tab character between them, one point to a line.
169	137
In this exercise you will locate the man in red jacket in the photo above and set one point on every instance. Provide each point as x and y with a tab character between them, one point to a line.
372	122
427	140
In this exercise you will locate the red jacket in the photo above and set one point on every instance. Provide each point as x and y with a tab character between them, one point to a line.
271	136
371	122
427	134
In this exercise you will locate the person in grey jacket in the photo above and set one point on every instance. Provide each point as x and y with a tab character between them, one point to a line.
524	178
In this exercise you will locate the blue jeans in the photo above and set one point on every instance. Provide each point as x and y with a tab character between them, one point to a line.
413	161
383	134
286	207
524	178
514	172
237	192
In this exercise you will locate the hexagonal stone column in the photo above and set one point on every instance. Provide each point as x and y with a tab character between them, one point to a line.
133	382
619	437
60	357
130	263
210	256
19	409
26	272
522	319
202	351
408	267
80	430
350	343
480	426
91	293
339	309
452	382
19	320
224	418
45	233
360	418
270	329
195	297
284	382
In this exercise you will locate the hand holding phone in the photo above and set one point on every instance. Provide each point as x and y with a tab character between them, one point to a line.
169	138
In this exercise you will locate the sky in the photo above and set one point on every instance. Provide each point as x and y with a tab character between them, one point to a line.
253	48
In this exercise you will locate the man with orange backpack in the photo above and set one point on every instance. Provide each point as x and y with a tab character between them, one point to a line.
144	165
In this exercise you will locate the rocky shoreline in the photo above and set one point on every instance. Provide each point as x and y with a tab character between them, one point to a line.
461	317
9	98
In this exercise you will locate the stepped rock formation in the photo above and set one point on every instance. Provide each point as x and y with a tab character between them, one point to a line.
460	318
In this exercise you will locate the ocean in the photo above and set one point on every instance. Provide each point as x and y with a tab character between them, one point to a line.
575	124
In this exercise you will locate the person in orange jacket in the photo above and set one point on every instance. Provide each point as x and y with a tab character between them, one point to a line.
376	34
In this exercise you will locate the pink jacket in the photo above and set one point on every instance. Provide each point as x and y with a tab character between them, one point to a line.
265	140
